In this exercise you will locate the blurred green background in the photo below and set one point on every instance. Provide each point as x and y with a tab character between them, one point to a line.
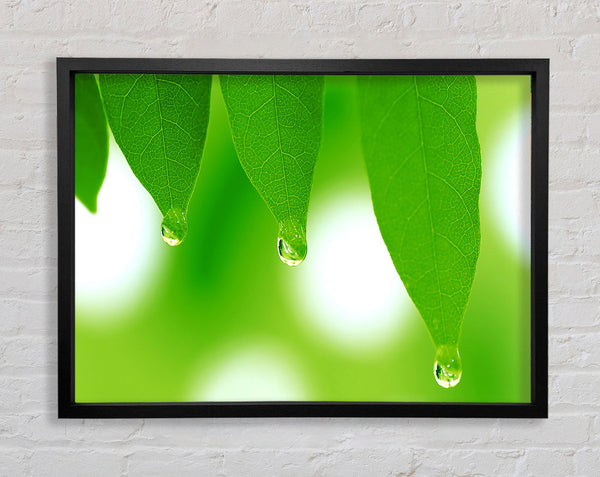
221	318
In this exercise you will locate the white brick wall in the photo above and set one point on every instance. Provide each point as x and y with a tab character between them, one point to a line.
34	442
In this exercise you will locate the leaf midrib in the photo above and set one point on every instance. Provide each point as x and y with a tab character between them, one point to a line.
287	192
433	233
162	133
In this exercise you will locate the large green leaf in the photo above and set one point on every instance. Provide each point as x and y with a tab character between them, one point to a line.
91	141
160	122
424	166
276	127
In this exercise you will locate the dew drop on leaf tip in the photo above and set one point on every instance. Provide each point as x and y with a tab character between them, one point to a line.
447	368
291	242
174	227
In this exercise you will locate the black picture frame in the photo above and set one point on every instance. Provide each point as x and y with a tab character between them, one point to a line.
539	71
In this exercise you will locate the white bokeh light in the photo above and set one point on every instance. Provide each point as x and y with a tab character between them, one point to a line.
508	182
113	247
349	288
252	373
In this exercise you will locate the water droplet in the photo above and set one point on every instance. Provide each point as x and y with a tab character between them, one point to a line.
447	368
174	227
291	243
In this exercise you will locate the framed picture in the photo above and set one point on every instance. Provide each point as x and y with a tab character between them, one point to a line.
302	237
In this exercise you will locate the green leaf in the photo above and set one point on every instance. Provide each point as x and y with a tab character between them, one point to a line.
91	141
276	127
160	123
424	166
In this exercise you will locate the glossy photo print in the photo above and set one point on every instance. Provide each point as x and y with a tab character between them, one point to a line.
302	238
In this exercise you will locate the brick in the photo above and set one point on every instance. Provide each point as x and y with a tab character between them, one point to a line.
21	316
593	129
551	18
595	431
34	283
574	204
30	50
557	48
178	15
6	15
165	461
565	240
333	16
27	169
321	462
575	88
23	125
580	351
380	17
548	462
585	50
31	87
43	15
557	431
89	15
15	462
406	46
568	127
572	313
149	17
574	279
591	242
577	165
27	354
470	17
121	47
587	461
265	19
66	462
433	16
370	461
573	390
436	462
19	247
28	208
119	432
23	395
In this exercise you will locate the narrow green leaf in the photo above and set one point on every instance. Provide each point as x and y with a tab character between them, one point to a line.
276	127
91	141
160	123
424	166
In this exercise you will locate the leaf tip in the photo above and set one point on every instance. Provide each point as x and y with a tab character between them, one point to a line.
291	242
90	204
174	227
447	368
